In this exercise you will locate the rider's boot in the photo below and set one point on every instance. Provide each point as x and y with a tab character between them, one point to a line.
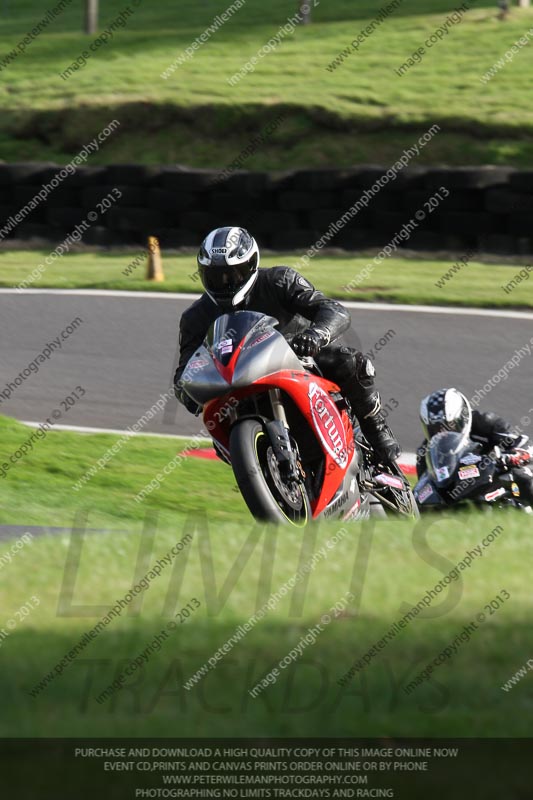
367	406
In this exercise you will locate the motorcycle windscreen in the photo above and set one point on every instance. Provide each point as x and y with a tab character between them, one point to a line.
442	457
247	348
228	331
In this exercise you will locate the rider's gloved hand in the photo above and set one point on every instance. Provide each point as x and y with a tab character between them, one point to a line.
505	460
310	342
190	404
515	459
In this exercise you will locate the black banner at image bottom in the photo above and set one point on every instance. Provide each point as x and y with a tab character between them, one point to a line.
131	769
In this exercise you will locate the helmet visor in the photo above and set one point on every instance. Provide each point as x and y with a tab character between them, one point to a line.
225	280
439	418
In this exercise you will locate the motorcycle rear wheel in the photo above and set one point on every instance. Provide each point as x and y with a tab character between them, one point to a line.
398	501
256	471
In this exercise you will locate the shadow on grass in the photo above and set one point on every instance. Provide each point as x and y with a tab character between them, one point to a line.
60	134
461	700
462	697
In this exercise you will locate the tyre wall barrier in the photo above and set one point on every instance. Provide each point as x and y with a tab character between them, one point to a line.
485	208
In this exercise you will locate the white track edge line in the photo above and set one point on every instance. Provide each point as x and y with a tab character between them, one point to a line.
112	431
407	458
391	307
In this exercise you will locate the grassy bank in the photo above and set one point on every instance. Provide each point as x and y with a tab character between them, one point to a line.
358	112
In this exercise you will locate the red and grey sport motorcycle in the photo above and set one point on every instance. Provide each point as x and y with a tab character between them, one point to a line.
287	432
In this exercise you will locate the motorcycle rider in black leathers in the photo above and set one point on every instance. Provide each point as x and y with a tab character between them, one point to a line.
228	266
449	410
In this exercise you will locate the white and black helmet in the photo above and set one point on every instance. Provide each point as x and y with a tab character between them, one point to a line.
446	410
228	261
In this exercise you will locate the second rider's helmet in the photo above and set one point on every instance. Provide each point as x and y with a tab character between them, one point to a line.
446	410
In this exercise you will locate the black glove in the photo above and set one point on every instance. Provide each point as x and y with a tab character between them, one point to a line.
190	404
310	342
516	459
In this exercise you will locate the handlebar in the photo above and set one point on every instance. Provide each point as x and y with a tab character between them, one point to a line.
309	363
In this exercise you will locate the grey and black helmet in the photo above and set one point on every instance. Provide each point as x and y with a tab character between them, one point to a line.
446	410
227	265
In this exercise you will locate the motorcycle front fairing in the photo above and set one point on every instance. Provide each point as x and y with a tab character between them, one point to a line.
234	356
201	379
456	470
244	355
426	493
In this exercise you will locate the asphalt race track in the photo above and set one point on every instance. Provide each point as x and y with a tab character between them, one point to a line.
123	355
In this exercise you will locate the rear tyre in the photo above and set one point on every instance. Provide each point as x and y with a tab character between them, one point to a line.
397	501
403	499
256	470
393	501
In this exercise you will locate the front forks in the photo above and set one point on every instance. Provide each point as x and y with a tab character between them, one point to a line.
278	432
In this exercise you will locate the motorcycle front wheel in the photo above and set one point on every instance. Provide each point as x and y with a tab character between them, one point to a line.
267	494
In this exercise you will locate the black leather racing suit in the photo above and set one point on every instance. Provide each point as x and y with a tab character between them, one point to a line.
283	293
490	430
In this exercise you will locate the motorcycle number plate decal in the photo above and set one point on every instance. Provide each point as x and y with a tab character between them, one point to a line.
197	363
515	490
225	346
390	480
328	424
493	495
442	473
425	492
262	338
470	458
468	472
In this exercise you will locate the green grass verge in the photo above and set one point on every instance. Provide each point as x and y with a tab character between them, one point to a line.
231	567
396	280
38	488
360	112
